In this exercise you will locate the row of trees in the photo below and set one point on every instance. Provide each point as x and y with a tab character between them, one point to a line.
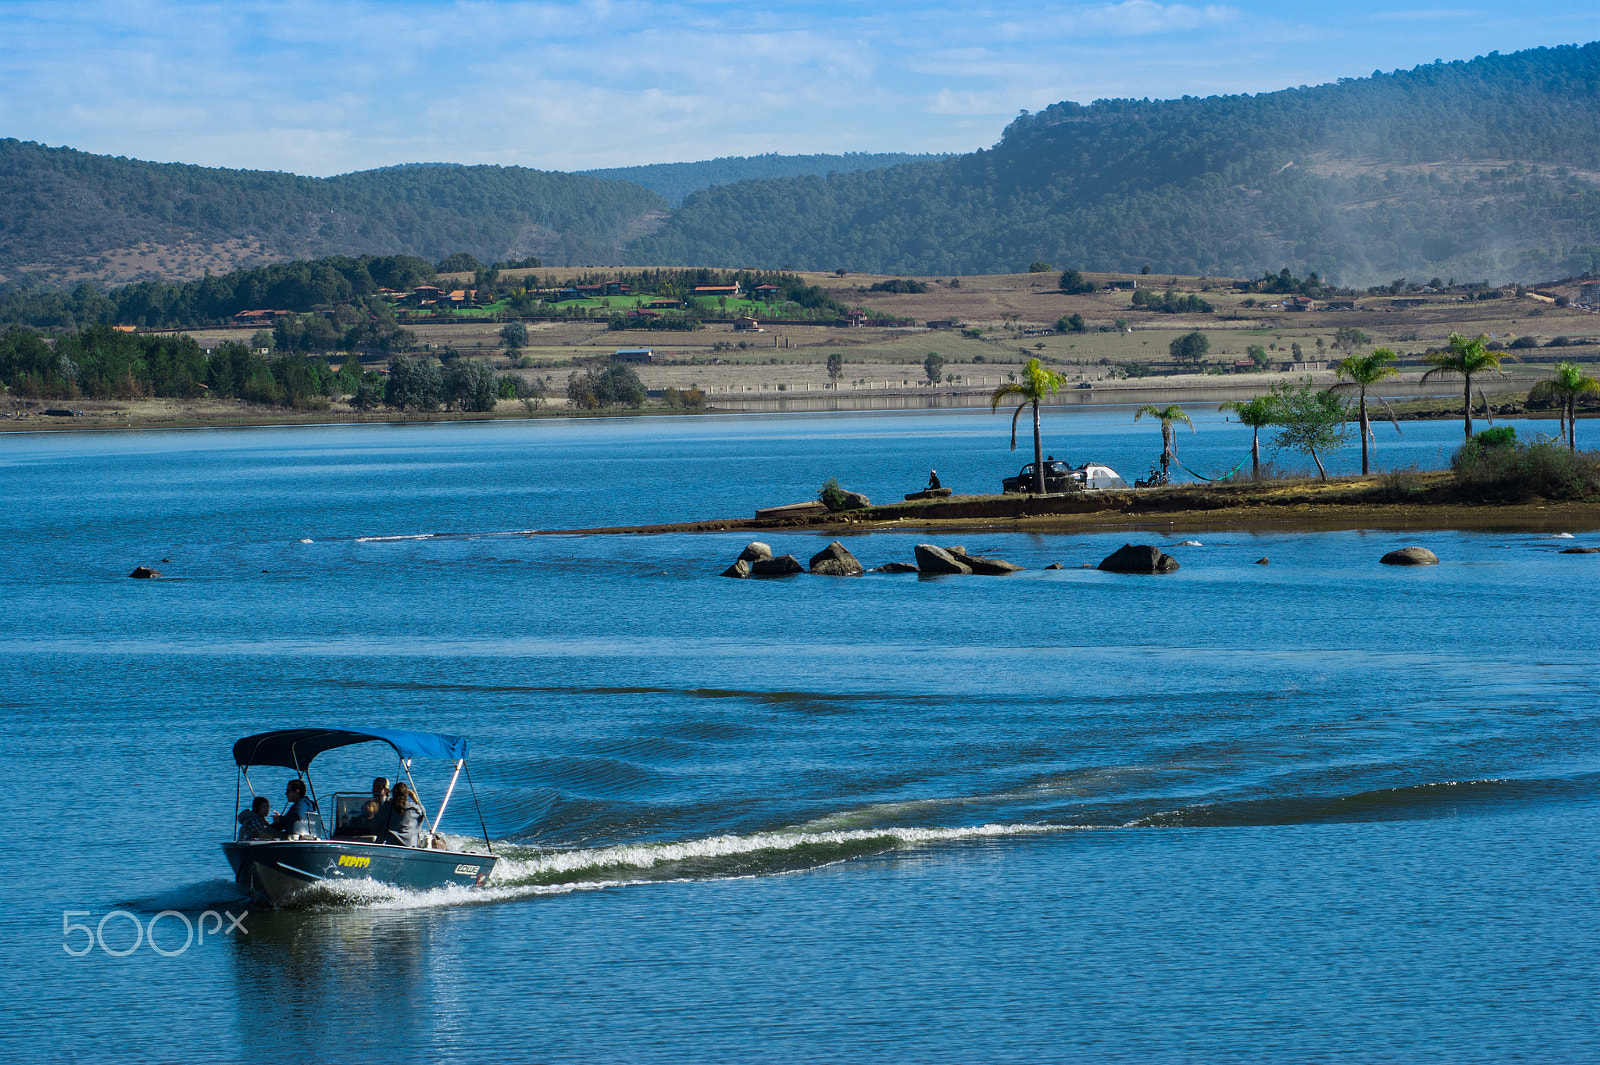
213	300
613	385
1313	420
102	363
420	384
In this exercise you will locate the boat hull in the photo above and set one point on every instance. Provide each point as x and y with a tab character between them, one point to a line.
279	872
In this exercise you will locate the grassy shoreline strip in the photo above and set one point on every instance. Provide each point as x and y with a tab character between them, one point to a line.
1348	503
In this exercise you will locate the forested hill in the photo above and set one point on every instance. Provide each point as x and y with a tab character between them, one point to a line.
1479	169
677	180
69	215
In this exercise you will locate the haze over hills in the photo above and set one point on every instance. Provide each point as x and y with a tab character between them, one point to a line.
1482	169
1486	169
677	180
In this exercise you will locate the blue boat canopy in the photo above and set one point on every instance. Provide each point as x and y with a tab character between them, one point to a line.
294	748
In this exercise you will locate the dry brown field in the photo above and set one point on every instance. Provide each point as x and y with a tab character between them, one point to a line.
790	360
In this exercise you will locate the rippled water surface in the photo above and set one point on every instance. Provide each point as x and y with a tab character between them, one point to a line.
1315	810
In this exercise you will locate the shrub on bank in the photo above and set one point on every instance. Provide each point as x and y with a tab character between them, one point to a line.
1493	466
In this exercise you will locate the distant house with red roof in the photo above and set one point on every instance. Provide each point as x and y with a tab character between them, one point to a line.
260	317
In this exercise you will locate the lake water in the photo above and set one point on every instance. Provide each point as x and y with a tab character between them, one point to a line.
1316	810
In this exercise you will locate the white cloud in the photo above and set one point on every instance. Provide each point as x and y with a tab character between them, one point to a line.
569	84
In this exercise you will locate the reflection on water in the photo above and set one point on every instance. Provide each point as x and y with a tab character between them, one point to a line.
310	985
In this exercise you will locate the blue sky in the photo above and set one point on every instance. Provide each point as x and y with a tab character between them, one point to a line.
324	88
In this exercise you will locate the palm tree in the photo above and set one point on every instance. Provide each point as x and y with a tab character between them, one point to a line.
1169	435
1363	372
1037	383
1565	387
1257	413
1467	358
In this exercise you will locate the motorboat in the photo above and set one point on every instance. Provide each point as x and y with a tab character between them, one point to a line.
1060	477
279	871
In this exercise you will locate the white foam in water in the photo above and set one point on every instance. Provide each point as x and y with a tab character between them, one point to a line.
390	539
306	541
648	855
1191	543
611	864
1561	536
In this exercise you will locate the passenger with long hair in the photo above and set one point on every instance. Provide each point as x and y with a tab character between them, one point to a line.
404	824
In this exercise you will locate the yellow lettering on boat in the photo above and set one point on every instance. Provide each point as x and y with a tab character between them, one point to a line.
354	860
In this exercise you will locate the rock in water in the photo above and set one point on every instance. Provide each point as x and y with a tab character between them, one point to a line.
740	569
1582	551
782	566
896	567
988	567
1410	556
1263	561
1138	558
1055	565
936	560
144	573
835	561
755	551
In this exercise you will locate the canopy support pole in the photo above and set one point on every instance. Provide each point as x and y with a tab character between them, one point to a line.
476	806
405	763
447	793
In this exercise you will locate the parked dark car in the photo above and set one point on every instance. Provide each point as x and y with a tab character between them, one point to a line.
1057	478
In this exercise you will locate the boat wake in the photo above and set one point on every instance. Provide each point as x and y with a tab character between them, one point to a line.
527	871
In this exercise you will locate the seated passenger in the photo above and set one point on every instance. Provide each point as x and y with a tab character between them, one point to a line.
253	822
294	822
361	823
380	795
403	826
365	825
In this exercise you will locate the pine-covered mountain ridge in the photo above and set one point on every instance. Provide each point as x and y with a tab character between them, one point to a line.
1487	169
70	216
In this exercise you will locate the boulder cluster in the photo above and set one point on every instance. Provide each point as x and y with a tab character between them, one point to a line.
835	560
